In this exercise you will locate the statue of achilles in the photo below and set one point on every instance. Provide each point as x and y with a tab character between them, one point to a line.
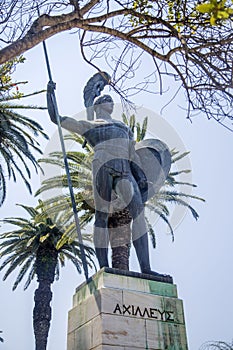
114	154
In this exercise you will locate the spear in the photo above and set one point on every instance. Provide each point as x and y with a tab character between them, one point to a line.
77	224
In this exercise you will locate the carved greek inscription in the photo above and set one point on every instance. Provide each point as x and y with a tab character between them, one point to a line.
117	308
153	313
126	309
132	310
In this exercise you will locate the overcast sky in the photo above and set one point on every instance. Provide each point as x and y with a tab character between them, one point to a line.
200	260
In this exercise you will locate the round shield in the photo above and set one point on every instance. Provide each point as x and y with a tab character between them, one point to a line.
155	159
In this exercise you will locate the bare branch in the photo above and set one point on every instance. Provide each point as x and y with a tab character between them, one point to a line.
88	7
182	44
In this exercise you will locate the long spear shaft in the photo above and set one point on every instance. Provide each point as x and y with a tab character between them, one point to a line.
78	229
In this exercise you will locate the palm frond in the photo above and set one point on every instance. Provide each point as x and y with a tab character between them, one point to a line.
30	277
17	261
166	194
164	217
179	201
76	262
23	271
1	339
144	128
2	186
125	119
31	211
132	121
178	157
12	98
151	233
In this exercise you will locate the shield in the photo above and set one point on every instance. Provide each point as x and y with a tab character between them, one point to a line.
155	162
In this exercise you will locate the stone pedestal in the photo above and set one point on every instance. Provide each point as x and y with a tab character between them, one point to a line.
129	311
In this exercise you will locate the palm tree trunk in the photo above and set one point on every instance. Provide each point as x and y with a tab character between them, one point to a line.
120	237
42	315
46	262
120	257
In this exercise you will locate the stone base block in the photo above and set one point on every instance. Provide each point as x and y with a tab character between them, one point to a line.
114	312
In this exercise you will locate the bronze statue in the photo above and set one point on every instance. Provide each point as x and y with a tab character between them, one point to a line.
114	170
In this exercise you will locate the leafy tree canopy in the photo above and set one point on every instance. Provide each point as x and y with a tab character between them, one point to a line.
189	42
216	11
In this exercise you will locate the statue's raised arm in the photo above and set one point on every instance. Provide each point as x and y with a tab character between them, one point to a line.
70	124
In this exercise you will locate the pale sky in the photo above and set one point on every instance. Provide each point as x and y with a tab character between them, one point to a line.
200	260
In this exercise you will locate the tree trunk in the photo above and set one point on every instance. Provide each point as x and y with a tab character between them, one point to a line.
120	238
46	262
120	257
42	315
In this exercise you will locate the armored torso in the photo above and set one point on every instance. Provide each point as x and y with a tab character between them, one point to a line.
112	141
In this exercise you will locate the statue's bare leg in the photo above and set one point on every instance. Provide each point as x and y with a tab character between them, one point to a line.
131	195
102	183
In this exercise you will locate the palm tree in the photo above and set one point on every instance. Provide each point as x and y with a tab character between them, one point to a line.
33	248
80	165
17	133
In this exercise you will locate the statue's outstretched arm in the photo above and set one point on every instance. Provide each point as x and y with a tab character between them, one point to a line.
70	124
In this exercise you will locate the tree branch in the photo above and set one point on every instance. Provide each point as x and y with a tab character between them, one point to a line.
88	7
183	47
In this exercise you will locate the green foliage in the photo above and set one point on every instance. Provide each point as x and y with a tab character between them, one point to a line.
185	13
138	130
216	11
20	247
175	13
143	7
6	83
18	133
